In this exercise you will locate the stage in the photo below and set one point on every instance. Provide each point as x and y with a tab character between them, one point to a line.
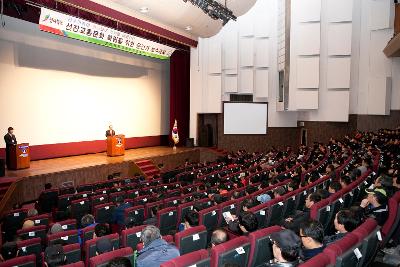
40	167
92	168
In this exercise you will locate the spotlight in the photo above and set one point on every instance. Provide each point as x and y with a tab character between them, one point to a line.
214	10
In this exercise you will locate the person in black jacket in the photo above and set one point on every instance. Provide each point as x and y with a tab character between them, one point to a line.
375	205
10	140
286	246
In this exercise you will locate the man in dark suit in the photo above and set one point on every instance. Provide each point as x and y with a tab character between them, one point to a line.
10	140
110	131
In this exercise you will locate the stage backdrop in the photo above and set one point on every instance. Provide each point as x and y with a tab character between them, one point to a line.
60	94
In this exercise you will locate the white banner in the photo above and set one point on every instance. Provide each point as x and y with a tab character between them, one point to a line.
76	28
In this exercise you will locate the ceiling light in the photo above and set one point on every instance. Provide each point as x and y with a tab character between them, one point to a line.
188	28
144	9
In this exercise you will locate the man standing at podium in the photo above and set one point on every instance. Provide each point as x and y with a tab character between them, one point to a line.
110	131
10	140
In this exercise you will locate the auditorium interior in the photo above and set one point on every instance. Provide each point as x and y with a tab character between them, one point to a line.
200	133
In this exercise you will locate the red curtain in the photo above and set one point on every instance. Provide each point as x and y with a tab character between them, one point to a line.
180	93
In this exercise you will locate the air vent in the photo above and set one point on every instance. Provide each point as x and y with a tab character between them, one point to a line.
241	98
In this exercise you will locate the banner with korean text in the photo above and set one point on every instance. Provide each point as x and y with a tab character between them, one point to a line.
76	28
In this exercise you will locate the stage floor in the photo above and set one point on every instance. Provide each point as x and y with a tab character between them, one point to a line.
75	162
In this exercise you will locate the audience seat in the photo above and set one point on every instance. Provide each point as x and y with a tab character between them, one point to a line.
103	259
30	246
66	237
182	210
197	258
24	261
79	208
150	205
66	190
72	253
209	218
233	251
87	233
343	253
369	235
98	199
136	213
321	211
172	201
76	264
260	249
166	220
90	246
12	221
42	219
33	232
192	239
131	237
103	212
66	225
64	201
275	212
321	260
113	197
230	206
392	223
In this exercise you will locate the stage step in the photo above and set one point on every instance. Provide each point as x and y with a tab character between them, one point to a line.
219	151
4	185
148	168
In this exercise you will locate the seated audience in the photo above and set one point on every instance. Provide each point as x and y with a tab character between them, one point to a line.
218	236
155	250
345	221
330	171
191	219
120	262
279	191
101	229
323	193
246	223
54	256
334	187
293	222
345	181
375	205
32	212
118	214
9	250
46	202
312	237
286	246
56	228
28	224
152	219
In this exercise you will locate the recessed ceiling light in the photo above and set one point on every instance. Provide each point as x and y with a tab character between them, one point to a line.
144	9
188	28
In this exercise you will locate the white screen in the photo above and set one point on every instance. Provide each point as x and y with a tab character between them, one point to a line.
245	118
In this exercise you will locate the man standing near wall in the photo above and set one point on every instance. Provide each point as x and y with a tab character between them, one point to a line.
10	140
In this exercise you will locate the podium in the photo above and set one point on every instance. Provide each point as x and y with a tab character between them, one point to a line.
20	157
116	145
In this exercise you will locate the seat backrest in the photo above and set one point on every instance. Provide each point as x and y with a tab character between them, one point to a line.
90	245
393	218
13	220
30	246
99	199
64	201
172	201
234	251
87	233
320	260
103	212
261	212
260	249
148	206
230	206
275	212
76	264
24	261
73	252
182	210
197	258
166	220
66	225
33	232
131	237
79	208
320	211
209	217
117	195
67	237
369	234
103	259
192	239
42	219
343	251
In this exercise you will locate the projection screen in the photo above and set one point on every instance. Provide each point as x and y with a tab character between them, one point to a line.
245	118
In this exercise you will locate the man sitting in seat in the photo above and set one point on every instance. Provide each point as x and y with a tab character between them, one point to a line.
54	256
101	229
345	221
219	236
375	205
286	246
155	250
118	214
245	224
312	237
152	219
294	222
191	219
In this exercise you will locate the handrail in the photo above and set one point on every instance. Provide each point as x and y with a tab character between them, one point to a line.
7	196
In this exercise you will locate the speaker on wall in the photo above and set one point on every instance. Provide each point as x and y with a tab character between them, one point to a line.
2	168
189	142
